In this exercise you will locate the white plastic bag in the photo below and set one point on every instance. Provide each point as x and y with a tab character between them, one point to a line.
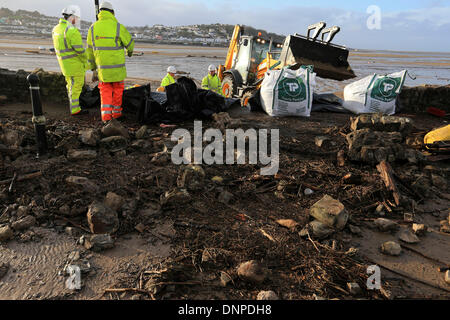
288	92
374	94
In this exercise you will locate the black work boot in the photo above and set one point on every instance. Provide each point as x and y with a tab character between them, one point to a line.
81	113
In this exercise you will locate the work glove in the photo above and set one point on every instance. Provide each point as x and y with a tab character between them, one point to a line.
94	76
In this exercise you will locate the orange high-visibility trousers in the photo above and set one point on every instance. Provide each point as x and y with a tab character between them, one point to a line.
111	94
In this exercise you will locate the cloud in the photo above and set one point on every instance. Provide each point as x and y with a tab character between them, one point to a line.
413	30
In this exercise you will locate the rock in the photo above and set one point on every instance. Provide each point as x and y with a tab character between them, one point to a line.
114	201
24	223
140	228
6	233
354	288
320	230
445	226
89	137
225	197
81	154
385	225
322	141
379	122
380	210
308	192
408	237
439	182
102	219
192	178
391	248
419	229
175	197
142	132
225	279
4	267
12	138
252	271
23	211
87	185
267	295
287	223
447	277
355	230
99	242
115	128
114	143
330	212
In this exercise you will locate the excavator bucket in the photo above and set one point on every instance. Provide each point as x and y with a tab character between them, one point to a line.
330	61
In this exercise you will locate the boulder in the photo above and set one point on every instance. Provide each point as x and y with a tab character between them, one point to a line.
99	242
391	248
6	233
267	295
24	223
102	219
252	271
89	137
330	212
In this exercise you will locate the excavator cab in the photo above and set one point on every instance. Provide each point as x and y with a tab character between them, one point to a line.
250	57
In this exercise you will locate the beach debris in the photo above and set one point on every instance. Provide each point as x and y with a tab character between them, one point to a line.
102	219
330	212
267	295
114	201
99	242
391	248
287	223
419	229
81	154
408	237
115	128
114	143
386	225
24	223
252	271
89	137
6	233
354	288
142	132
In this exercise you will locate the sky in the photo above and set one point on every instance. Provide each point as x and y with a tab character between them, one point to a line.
405	25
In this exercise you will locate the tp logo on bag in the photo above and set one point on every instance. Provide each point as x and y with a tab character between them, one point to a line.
292	90
385	89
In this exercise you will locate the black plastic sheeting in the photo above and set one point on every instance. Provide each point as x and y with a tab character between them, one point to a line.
182	101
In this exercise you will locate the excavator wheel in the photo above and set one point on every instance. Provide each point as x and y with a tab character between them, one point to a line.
229	86
245	98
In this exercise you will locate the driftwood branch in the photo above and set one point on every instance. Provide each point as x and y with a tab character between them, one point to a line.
387	174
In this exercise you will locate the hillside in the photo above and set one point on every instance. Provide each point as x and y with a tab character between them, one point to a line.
35	23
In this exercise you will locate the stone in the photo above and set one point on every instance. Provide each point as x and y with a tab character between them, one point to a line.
380	210
408	236
22	211
99	242
4	267
192	178
225	197
175	197
115	128
322	141
391	248
252	271
447	277
225	279
6	233
267	295
89	137
114	143
87	185
287	223
140	228
142	132
354	288
102	219
445	226
386	225
308	192
379	122
81	154
330	212
114	201
320	230
24	223
355	230
419	229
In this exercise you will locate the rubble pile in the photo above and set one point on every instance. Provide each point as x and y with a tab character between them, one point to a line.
418	99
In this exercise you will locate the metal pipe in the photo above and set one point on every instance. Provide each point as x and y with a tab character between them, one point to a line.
38	116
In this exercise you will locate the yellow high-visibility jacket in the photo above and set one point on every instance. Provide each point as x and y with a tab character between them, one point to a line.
212	83
107	39
168	80
69	49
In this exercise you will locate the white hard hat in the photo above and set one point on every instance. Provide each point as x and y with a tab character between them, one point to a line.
72	10
172	69
212	68
106	5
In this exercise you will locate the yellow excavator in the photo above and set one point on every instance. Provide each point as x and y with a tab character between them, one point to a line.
250	57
